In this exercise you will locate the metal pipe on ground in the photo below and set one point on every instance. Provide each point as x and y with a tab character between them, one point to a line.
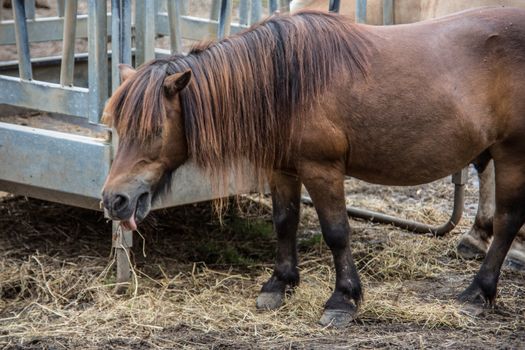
459	179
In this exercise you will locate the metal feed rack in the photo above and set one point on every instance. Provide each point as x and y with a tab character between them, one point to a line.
67	167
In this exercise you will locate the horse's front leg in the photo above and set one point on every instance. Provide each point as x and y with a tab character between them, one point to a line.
325	184
286	196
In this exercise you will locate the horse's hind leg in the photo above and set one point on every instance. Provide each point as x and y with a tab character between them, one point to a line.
508	218
325	184
286	196
475	243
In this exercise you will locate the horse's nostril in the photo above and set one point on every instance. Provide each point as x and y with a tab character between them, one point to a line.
120	202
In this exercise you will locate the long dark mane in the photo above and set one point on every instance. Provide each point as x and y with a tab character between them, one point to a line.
248	92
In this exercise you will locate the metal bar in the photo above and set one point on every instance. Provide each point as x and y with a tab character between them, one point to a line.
335	6
67	66
60	8
256	12
215	10
459	180
122	242
98	59
22	40
42	29
388	12
30	9
144	31
360	11
125	32
273	6
115	43
174	14
58	99
225	17
244	11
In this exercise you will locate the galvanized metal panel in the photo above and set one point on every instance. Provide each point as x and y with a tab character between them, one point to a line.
190	185
53	160
48	97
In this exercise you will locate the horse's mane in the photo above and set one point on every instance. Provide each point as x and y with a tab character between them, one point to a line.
248	92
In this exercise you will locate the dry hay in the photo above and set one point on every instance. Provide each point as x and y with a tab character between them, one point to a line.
197	285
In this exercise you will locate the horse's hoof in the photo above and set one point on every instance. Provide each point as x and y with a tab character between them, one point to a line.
515	264
472	295
516	256
467	250
269	301
337	318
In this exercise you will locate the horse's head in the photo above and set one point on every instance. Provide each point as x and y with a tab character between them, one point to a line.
146	113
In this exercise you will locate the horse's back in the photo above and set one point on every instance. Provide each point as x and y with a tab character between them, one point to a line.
438	94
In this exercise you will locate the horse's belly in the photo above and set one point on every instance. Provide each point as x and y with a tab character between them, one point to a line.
422	162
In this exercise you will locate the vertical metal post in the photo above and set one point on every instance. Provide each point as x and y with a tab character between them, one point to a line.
121	38
125	32
273	6
360	11
30	9
388	12
116	12
60	8
144	31
244	11
285	5
122	243
225	16
67	66
22	40
97	58
335	6
215	10
256	11
174	13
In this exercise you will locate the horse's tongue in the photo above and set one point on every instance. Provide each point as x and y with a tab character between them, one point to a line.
130	224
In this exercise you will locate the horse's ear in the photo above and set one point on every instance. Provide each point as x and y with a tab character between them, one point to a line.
176	82
126	71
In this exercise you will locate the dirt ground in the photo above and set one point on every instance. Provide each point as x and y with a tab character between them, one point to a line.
196	281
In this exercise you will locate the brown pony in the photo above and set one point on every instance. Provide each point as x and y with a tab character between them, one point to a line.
310	98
